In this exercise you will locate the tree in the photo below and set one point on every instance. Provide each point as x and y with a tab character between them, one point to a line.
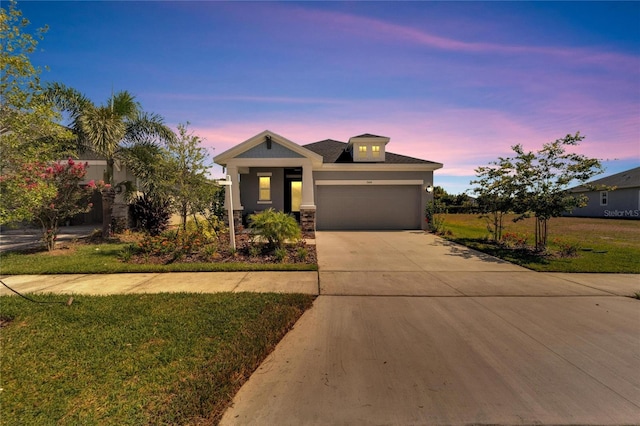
188	171
29	136
107	129
536	183
68	200
542	179
495	194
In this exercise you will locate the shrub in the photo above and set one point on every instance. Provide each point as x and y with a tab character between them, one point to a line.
276	227
150	215
210	228
566	249
434	215
513	240
280	253
178	244
254	251
302	253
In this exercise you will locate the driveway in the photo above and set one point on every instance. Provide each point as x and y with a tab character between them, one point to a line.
410	329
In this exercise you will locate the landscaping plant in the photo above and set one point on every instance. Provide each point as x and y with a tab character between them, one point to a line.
275	226
536	184
67	199
434	215
150	214
30	137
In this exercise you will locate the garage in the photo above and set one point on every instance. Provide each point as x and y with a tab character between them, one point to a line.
368	207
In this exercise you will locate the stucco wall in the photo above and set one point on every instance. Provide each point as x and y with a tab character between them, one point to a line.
249	188
622	204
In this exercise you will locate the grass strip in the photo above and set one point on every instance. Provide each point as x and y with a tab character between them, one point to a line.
135	359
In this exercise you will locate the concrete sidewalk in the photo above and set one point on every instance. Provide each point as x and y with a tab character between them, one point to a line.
198	282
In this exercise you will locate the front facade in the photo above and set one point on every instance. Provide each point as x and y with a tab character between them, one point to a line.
615	197
329	185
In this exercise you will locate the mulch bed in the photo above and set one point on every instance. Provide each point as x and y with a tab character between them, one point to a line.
247	251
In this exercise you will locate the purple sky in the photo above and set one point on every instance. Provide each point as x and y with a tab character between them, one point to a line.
453	82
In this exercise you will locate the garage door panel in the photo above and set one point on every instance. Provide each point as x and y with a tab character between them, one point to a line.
358	207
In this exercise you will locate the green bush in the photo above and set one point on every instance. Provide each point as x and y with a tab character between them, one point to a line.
151	215
276	227
178	244
434	214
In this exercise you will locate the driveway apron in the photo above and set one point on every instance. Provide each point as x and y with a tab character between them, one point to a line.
411	329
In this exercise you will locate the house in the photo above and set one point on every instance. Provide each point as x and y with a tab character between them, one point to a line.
623	202
329	185
96	171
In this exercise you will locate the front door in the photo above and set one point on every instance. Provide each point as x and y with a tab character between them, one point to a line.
293	191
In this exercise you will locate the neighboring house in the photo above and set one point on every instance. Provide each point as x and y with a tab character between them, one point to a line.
329	185
623	202
96	172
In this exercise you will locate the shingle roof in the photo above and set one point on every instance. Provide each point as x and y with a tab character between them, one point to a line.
335	152
368	135
626	179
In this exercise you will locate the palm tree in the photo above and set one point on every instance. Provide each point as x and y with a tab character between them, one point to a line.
108	130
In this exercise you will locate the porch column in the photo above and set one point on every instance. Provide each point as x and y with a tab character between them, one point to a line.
232	171
307	205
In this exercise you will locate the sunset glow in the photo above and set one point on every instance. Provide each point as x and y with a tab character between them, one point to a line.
454	82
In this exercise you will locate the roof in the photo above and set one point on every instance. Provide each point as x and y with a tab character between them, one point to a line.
626	179
250	143
333	151
369	135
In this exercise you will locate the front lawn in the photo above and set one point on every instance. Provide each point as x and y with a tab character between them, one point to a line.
158	254
575	244
135	359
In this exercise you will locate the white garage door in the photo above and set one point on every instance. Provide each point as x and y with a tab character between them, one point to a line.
362	207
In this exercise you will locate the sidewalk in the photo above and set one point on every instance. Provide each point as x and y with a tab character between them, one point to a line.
196	282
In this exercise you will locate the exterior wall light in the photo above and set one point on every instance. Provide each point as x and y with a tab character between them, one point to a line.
429	188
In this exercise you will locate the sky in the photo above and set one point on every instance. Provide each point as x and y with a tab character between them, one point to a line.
458	83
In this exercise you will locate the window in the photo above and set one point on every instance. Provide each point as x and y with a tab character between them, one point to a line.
604	198
375	151
362	149
264	190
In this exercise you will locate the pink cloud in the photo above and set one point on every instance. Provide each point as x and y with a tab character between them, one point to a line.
462	139
246	98
378	29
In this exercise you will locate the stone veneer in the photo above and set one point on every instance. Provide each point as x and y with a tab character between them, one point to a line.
308	220
237	219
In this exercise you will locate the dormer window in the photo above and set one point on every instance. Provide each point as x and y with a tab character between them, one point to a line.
375	151
367	148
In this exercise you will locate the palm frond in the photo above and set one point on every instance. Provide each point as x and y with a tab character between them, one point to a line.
102	130
67	100
148	128
123	104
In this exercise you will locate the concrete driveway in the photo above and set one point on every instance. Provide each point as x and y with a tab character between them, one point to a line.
412	330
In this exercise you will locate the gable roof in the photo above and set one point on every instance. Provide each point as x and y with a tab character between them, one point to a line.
333	151
627	179
250	143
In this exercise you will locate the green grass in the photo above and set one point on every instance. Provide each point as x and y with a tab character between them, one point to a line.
105	259
603	245
135	359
